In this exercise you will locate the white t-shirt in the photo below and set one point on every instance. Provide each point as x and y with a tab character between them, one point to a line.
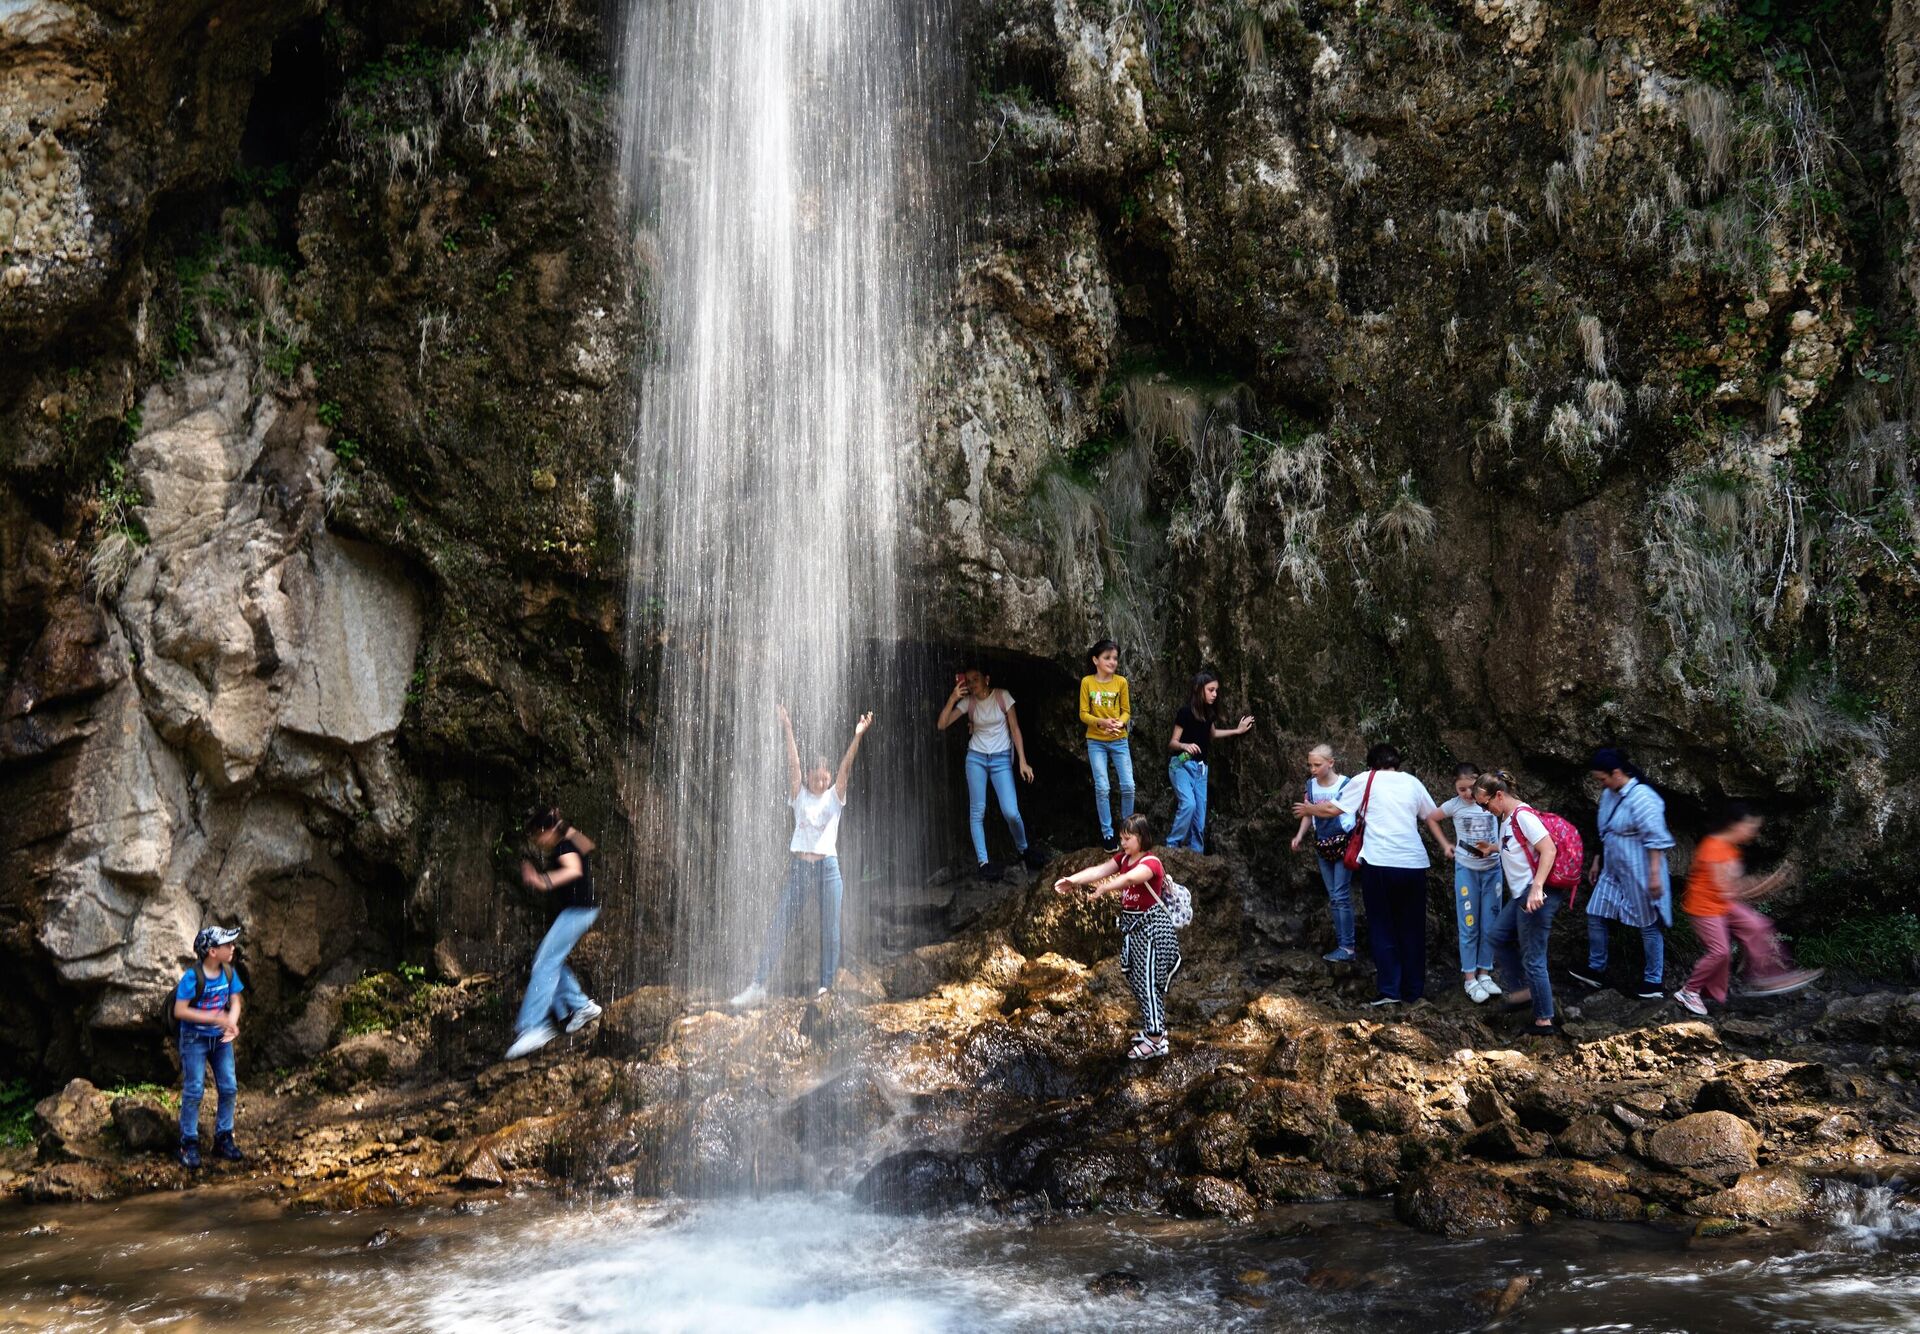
1394	812
1513	857
816	821
988	718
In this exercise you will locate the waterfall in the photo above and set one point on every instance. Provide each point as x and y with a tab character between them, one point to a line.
778	155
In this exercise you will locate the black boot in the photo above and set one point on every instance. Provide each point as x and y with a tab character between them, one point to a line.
224	1147
189	1154
1034	857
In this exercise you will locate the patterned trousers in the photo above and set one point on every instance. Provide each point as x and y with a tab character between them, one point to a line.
1149	956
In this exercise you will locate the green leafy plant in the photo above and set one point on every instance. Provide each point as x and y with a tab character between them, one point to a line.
1884	946
16	1114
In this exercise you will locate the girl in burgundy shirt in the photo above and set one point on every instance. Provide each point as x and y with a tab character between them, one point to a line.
1149	946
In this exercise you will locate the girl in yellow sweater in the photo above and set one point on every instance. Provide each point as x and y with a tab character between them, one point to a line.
1107	711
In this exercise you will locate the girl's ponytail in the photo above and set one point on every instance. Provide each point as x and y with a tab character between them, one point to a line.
1493	783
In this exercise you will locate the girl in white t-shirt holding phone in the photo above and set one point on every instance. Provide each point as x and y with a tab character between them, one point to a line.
995	749
817	797
1526	911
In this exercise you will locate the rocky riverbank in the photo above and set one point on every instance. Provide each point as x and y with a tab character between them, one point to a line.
986	1071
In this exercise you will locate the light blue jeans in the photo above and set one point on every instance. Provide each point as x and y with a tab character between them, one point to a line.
1476	901
803	878
1189	779
1520	941
1099	753
553	992
197	1052
996	769
1653	941
1339	882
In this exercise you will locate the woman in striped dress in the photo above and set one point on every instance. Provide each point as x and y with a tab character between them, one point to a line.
1149	944
1630	888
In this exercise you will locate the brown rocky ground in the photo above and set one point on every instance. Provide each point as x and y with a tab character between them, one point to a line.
987	1070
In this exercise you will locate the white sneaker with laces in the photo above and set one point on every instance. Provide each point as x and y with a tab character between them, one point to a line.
583	1016
1690	1001
1483	989
532	1040
753	995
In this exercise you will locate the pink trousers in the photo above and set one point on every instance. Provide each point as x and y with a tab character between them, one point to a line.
1764	958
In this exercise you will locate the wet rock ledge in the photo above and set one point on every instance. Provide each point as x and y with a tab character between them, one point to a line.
986	1072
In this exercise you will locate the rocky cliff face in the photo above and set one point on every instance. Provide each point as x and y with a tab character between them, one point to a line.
1500	378
310	572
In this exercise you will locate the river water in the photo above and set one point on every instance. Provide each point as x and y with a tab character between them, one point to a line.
212	1260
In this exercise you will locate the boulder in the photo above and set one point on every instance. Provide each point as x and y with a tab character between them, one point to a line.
369	1058
1767	1195
71	1123
638	1022
1288	1115
1217	1144
1276	1181
70	1183
145	1125
1454	1200
920	1181
1590	1136
1716	1144
1504	1141
1374	1107
374	1190
1210	1197
492	1159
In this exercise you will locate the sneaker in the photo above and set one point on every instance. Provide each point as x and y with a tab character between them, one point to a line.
1586	979
189	1154
1032	858
1782	983
583	1016
1482	989
1341	955
532	1040
1382	1002
823	993
753	995
988	871
1650	993
224	1147
1109	844
1690	1001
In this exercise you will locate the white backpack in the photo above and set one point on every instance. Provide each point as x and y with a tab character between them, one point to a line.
1177	901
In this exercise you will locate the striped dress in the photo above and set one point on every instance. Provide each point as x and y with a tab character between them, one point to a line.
1632	821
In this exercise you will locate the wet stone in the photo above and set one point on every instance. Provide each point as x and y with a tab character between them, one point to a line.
1118	1283
1590	1137
1715	1143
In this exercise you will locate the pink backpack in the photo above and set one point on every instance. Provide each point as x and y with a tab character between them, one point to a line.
1569	852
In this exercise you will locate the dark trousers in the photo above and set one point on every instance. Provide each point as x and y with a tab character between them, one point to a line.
1396	899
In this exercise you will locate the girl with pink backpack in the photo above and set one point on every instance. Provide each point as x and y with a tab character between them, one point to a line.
1528	857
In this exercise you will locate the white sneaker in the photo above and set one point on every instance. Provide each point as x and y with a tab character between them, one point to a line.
1690	1001
532	1040
1482	990
583	1016
753	995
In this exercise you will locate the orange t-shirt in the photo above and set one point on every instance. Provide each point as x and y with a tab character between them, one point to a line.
1704	898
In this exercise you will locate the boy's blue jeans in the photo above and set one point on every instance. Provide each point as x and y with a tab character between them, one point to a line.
1520	939
997	769
1653	941
1338	879
553	992
1189	778
197	1052
804	876
1476	902
1098	755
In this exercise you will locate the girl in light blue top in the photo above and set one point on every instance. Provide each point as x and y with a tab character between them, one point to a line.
1329	835
1630	886
1476	883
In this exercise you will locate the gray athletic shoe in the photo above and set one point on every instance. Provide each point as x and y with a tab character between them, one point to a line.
532	1040
583	1016
1781	984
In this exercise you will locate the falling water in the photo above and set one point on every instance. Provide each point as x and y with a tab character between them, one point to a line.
779	155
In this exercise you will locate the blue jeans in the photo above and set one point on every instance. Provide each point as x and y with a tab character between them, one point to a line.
1339	882
1653	940
197	1052
1520	939
553	992
1396	898
997	769
1098	754
1476	901
1189	779
805	877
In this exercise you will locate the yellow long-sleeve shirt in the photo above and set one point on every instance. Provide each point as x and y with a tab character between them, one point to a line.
1104	699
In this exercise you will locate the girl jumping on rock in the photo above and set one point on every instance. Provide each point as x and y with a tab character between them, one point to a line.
1149	945
813	861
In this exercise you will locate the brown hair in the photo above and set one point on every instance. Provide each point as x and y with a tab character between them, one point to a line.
1493	782
1141	828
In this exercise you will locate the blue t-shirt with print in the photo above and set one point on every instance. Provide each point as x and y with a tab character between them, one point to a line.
214	994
